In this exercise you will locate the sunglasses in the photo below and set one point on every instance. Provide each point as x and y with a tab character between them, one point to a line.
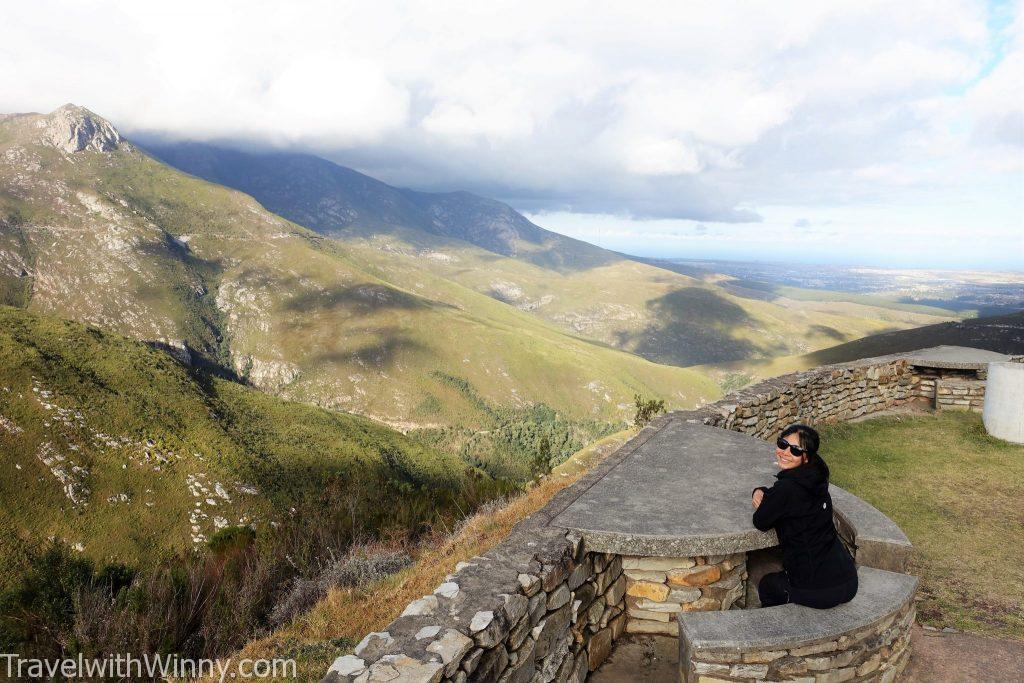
795	450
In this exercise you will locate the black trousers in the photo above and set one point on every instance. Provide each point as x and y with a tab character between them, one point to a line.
775	589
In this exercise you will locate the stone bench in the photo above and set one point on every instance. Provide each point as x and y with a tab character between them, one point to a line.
864	639
876	540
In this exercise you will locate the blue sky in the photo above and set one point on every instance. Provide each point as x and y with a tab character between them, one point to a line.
866	132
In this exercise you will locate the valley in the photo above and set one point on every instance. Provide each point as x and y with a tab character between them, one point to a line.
658	310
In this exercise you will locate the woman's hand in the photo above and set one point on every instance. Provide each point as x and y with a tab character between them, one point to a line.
757	498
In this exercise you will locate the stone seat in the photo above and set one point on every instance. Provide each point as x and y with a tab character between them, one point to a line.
865	637
877	541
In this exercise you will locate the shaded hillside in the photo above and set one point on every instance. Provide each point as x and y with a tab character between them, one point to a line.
94	230
1004	334
120	451
336	200
665	312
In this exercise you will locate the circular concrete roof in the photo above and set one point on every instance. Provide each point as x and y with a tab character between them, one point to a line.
686	492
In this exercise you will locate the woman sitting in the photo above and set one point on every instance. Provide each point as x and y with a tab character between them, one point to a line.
818	571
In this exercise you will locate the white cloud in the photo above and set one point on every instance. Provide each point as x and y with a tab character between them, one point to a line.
708	111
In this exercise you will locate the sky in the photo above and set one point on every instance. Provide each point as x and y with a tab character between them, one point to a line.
851	132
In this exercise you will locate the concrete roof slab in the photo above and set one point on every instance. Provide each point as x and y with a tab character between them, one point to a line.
954	358
686	491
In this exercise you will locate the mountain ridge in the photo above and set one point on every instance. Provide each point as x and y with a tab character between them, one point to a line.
337	200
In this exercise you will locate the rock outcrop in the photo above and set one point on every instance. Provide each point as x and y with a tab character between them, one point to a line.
76	129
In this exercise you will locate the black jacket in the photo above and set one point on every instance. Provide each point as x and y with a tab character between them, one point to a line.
799	507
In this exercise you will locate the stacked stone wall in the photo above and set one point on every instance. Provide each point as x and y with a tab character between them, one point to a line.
876	653
659	588
928	378
538	608
960	394
825	395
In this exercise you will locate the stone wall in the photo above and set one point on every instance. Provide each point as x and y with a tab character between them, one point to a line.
537	608
960	394
876	653
659	588
928	378
825	395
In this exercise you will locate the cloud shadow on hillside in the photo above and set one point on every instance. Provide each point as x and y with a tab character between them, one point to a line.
392	343
692	328
361	299
827	331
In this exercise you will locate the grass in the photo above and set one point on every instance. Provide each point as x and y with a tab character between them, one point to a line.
958	493
340	621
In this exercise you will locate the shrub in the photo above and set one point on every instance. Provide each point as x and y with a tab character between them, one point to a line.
359	567
647	409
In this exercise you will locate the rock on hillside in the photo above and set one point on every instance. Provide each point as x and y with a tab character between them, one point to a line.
73	129
69	128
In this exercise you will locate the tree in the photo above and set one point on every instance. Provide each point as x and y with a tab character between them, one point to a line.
541	464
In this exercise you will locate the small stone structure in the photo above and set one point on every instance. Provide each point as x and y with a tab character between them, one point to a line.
960	394
953	377
548	603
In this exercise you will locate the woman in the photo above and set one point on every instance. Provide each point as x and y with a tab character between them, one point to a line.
818	571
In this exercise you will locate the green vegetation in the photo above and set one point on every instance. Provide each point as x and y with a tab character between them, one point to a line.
111	444
182	505
734	381
517	444
134	246
646	409
957	494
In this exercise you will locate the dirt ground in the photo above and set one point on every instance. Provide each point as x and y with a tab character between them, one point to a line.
939	657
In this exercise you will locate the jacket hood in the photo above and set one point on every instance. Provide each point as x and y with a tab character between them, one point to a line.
812	476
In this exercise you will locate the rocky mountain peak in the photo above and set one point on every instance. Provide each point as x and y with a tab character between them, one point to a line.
75	129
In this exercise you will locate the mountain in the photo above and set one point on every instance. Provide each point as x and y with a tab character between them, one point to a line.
338	201
665	312
95	230
124	453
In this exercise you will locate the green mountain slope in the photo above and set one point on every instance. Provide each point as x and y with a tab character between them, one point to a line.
97	231
120	451
1001	333
661	311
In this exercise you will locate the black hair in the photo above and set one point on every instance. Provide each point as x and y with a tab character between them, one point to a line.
809	439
